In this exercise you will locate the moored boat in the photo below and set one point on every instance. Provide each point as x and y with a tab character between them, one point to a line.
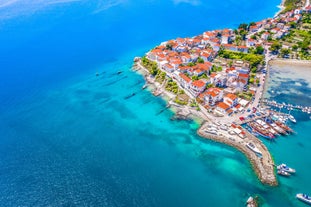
304	198
262	132
252	147
286	168
283	126
284	173
292	119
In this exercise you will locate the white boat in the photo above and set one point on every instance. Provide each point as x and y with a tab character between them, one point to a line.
304	198
286	168
292	119
252	147
284	173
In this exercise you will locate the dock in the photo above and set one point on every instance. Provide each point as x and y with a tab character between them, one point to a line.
263	165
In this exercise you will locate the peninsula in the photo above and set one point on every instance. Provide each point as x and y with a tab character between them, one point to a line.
220	77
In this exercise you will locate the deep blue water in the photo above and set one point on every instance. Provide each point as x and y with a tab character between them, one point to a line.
70	138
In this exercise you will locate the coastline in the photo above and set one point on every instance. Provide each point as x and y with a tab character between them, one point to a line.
291	62
258	155
281	7
263	166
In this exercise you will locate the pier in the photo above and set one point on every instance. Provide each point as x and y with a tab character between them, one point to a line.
263	165
305	109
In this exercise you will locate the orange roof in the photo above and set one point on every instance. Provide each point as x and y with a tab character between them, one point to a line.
243	75
213	91
213	75
223	106
186	78
156	50
231	96
198	83
243	81
202	66
242	47
185	68
168	65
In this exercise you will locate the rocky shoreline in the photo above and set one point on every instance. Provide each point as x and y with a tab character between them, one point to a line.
263	167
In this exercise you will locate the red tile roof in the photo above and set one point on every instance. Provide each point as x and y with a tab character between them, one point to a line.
186	78
231	96
198	83
223	106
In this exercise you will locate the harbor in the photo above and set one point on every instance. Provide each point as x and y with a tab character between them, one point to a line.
245	142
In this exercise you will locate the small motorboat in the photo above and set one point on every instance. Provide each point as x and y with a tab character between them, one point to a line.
284	173
304	198
292	119
285	168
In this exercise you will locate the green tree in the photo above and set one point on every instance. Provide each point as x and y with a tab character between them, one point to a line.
295	47
195	77
243	26
259	50
252	24
200	60
275	46
254	37
210	85
284	52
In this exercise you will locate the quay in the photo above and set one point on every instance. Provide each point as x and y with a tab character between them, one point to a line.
263	165
245	121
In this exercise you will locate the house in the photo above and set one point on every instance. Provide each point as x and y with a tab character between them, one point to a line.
168	67
185	81
308	9
253	28
243	70
213	95
225	38
181	49
265	35
280	25
231	100
175	62
183	68
250	42
216	47
243	76
197	87
297	11
222	107
243	49
185	58
230	47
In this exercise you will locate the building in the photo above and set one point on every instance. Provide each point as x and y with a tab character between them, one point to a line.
213	95
197	87
222	107
231	100
185	81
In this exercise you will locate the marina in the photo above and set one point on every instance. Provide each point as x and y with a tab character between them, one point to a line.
289	107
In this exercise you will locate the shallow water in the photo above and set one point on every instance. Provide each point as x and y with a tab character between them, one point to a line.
70	138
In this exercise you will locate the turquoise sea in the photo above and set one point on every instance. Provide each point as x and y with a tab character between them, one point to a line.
70	138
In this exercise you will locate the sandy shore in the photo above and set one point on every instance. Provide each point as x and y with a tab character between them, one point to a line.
290	62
